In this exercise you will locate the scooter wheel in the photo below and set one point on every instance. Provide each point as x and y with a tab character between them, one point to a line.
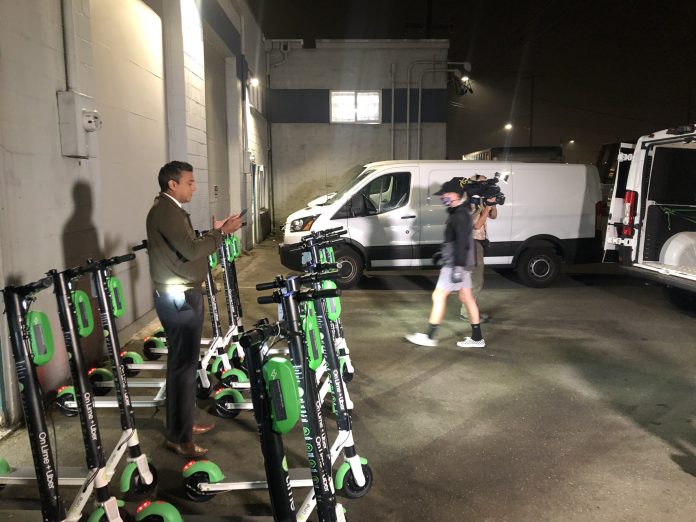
137	488
102	517
148	353
97	375
130	373
221	407
192	490
203	392
62	401
160	333
350	489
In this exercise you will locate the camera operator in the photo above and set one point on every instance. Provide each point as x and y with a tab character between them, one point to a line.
480	213
457	256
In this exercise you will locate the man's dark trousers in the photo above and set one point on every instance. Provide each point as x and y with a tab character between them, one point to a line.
181	315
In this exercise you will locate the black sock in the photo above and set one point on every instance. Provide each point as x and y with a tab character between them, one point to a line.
476	332
432	330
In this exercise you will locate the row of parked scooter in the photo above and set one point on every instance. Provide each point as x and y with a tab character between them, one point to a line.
297	382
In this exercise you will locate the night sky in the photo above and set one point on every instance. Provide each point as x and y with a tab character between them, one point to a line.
603	71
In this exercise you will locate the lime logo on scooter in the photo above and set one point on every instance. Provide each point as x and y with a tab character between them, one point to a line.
41	338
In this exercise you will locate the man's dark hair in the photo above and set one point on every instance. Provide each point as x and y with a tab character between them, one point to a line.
172	170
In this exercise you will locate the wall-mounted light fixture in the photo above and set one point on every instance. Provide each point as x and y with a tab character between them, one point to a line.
508	126
253	82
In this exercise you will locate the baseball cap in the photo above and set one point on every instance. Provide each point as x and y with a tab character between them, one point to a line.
453	185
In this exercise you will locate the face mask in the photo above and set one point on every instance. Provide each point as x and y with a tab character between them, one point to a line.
447	201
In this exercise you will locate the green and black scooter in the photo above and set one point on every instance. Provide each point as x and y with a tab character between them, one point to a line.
32	344
354	475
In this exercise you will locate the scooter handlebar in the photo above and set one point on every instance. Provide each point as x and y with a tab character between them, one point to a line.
116	260
266	299
260	334
322	276
36	286
266	286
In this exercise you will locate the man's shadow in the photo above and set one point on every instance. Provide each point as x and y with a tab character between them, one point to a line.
81	242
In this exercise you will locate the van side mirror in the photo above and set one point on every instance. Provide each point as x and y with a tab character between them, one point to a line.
357	206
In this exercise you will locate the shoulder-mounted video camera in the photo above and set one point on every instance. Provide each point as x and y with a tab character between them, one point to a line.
480	191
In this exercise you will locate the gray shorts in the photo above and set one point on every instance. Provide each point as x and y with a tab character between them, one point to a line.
444	282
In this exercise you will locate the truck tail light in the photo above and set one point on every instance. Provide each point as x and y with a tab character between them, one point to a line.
630	203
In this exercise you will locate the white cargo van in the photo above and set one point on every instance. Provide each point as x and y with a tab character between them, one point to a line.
652	215
395	222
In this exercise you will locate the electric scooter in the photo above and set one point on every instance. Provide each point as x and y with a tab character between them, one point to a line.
290	295
275	397
32	345
354	476
111	305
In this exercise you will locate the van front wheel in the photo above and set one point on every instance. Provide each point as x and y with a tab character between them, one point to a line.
350	267
538	268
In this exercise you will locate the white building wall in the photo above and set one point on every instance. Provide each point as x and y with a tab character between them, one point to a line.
146	73
311	159
56	211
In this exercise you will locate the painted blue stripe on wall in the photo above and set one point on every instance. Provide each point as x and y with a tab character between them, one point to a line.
299	105
313	105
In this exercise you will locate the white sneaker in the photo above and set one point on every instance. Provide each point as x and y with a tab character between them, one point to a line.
470	343
421	339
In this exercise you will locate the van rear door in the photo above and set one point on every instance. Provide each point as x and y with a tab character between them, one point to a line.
621	166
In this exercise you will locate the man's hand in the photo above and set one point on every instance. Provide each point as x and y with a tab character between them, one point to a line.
232	223
217	225
457	274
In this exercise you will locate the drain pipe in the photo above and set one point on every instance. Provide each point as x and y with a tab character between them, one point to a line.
69	47
393	89
465	65
420	102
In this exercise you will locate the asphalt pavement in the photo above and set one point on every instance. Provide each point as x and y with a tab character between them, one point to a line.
581	407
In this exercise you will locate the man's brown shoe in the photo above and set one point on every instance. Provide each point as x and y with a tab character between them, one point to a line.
186	449
199	429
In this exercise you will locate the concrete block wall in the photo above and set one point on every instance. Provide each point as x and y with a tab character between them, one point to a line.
311	158
148	83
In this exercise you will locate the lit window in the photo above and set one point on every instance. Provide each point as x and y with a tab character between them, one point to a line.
355	107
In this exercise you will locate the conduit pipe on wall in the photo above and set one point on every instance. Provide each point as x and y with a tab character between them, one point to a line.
465	65
393	89
69	45
420	102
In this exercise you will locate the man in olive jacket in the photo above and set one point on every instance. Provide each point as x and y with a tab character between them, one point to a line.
178	265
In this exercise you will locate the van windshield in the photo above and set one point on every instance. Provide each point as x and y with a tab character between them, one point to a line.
349	186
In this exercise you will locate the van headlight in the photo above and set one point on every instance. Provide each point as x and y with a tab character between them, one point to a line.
302	224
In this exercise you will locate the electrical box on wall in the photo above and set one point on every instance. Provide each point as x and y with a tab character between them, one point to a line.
77	118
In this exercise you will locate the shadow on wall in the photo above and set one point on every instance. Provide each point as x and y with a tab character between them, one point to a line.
80	243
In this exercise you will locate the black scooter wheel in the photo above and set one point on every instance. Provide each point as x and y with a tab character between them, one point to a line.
97	377
148	353
221	409
127	359
125	516
137	489
63	408
191	487
350	489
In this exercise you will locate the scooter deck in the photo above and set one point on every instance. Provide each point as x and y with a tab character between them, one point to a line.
133	383
72	476
238	481
108	402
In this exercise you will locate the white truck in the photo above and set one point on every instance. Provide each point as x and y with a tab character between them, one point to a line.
651	230
394	220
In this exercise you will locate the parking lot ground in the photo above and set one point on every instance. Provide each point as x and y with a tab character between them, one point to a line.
581	407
